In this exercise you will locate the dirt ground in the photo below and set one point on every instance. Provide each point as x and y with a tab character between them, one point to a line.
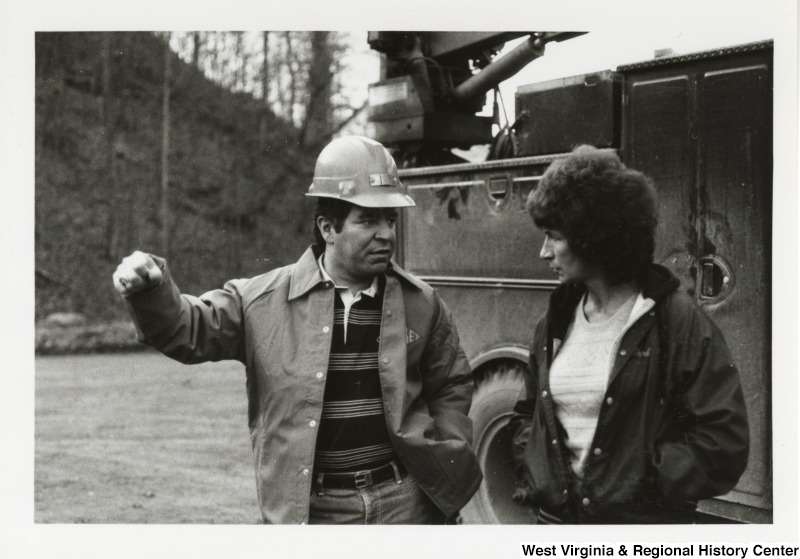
138	438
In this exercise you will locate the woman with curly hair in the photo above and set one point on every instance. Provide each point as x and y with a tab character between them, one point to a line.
632	409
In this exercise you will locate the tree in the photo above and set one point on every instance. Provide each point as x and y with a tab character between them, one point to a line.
197	44
293	67
265	76
265	68
118	215
296	74
317	125
165	124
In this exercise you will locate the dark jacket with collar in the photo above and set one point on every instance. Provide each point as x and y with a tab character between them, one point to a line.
672	427
279	325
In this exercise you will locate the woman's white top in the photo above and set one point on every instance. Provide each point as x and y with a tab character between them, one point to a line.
580	372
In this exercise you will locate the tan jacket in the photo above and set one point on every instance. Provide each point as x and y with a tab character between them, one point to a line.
279	325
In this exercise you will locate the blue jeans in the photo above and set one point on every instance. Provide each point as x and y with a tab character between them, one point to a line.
390	502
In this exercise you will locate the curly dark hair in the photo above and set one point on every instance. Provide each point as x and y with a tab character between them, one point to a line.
606	212
333	209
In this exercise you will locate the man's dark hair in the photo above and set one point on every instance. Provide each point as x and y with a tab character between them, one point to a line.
334	210
606	212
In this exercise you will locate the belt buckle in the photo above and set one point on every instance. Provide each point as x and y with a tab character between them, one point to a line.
363	479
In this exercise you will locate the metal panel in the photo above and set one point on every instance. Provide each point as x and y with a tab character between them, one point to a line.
490	316
559	114
470	221
451	129
662	145
736	223
701	128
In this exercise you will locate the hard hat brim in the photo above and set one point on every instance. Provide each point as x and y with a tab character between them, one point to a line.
386	200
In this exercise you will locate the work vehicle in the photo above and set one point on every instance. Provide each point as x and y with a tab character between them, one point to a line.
699	124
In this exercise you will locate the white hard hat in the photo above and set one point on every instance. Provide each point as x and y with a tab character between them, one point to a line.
361	171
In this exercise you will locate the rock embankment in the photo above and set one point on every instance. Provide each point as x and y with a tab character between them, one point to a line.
73	333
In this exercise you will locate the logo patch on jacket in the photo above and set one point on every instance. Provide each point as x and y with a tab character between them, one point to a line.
411	336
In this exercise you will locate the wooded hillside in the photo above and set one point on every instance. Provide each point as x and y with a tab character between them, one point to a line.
235	203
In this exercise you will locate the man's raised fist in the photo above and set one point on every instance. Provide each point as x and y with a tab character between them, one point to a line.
135	273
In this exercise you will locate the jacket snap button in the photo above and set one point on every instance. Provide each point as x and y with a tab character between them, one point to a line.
554	441
312	422
388	313
544	393
385	359
305	472
586	502
623	352
326	329
319	375
609	400
597	452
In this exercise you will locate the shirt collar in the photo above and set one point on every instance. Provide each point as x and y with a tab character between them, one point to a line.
371	291
306	275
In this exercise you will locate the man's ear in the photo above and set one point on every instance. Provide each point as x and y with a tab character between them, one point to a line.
325	226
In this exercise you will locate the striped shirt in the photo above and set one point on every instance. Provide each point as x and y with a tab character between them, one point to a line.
352	433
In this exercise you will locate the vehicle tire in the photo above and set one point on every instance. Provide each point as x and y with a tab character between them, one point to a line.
492	405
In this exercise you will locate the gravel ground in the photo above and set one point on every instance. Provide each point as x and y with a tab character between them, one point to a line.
138	438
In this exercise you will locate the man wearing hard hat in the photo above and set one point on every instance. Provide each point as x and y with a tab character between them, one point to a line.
357	385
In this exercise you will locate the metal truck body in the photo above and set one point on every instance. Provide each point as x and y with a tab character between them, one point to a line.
701	126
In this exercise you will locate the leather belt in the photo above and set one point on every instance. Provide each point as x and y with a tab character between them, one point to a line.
361	479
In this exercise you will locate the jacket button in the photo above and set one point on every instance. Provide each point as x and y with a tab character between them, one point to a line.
388	313
319	374
566	492
312	423
598	451
554	442
544	393
305	471
385	359
623	352
328	284
609	400
586	502
326	329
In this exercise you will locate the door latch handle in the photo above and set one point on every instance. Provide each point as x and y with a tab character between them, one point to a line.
716	278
